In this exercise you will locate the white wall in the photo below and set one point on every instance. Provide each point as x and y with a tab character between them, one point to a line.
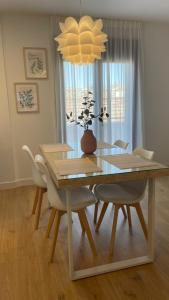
156	82
30	128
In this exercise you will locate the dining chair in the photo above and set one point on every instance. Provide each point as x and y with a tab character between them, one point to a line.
123	145
39	180
127	194
81	198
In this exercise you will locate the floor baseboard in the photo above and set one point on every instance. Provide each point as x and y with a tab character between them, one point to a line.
16	183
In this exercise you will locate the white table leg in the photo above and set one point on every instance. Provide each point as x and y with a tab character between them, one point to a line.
74	275
70	237
151	217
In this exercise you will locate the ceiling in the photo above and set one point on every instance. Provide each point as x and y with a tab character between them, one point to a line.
157	10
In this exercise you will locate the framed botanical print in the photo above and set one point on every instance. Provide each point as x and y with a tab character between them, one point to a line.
35	60
26	97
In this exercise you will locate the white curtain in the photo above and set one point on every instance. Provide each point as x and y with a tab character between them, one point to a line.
59	82
115	82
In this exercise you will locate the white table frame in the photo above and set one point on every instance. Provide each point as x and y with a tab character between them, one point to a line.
96	270
149	174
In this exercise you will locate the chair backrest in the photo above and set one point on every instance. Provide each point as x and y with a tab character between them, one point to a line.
147	154
121	144
36	175
29	153
54	195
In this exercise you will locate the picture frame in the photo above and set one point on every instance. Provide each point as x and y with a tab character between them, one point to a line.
35	63
27	97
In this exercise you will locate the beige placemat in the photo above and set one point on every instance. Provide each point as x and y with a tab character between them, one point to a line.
56	148
75	166
128	161
103	145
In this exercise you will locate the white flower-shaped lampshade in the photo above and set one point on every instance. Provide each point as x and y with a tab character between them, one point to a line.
83	42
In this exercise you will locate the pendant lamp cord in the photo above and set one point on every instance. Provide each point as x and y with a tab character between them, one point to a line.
80	8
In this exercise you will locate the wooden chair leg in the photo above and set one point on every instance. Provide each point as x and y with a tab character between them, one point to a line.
105	205
87	229
96	211
129	216
113	234
91	187
56	229
35	201
141	218
124	211
81	223
39	208
51	220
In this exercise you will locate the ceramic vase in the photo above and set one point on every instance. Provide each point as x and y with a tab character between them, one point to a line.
88	142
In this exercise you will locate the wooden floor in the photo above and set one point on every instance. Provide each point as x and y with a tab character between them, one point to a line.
25	273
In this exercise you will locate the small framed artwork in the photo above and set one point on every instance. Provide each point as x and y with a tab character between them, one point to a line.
35	60
26	97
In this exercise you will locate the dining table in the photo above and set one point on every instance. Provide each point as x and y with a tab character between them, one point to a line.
119	169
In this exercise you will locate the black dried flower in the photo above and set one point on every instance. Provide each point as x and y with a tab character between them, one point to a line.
86	117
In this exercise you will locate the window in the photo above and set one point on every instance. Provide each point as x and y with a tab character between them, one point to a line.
77	81
113	89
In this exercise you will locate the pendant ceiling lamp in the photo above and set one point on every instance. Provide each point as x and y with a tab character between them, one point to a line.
81	42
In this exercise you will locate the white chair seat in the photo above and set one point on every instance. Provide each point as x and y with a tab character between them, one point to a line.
80	198
118	194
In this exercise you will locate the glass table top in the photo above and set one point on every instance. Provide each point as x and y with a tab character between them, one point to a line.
108	169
